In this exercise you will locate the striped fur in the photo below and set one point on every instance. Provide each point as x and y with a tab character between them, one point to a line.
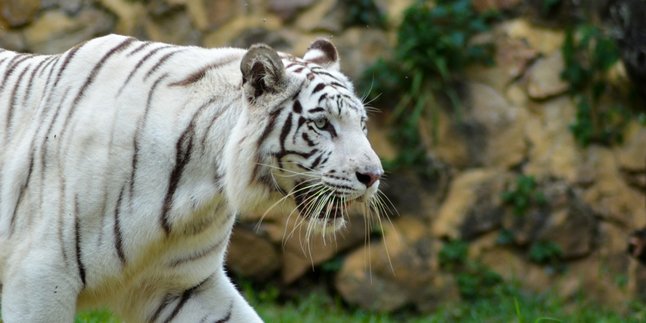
124	163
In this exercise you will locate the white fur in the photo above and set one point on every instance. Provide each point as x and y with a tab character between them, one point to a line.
68	154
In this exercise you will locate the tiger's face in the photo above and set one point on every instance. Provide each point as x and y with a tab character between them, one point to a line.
314	148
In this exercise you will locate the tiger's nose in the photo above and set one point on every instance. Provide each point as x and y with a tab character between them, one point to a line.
369	178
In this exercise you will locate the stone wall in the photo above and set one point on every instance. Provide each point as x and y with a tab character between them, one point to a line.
52	26
516	122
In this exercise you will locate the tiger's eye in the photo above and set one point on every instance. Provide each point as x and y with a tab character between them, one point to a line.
321	123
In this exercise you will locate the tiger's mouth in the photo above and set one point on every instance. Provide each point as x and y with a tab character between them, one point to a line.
312	204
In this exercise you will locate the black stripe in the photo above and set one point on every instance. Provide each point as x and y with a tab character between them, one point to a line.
349	188
331	130
322	97
21	194
318	87
227	316
186	295
11	68
118	240
27	94
166	300
89	80
182	157
50	60
43	149
77	240
317	109
299	124
140	48
268	128
12	103
337	84
140	127
97	67
324	161
182	300
160	62
298	108
283	136
3	60
199	255
217	115
67	60
322	71
307	139
261	139
184	149
138	66
61	216
285	130
316	161
304	155
201	73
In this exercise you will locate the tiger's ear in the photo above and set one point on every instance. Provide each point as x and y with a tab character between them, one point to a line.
262	70
323	52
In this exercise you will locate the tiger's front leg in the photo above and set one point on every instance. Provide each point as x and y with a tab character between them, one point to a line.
41	289
212	300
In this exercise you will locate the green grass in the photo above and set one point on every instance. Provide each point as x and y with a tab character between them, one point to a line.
507	305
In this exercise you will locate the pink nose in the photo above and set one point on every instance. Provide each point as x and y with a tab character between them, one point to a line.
368	178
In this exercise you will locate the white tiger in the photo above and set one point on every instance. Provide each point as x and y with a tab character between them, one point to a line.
124	163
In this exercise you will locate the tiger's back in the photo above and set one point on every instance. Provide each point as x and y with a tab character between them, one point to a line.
124	163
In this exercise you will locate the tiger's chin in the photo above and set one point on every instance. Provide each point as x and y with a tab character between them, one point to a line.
324	213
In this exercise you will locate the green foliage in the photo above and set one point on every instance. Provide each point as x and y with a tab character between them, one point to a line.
549	5
505	303
477	281
453	254
546	253
333	265
505	237
588	55
363	13
433	49
524	195
474	280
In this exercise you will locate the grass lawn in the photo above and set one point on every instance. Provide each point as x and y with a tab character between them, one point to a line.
507	305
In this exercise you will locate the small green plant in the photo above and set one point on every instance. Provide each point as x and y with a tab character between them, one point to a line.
545	253
505	237
523	195
363	13
588	55
333	265
477	281
453	254
474	279
433	49
549	5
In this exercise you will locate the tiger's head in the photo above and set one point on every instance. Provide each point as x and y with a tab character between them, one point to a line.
302	137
